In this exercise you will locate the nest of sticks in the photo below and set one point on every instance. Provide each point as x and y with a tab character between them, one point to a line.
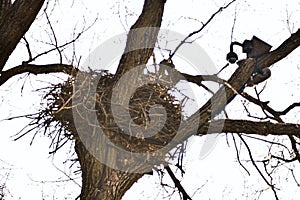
152	107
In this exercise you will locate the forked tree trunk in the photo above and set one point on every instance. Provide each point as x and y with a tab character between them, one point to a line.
98	180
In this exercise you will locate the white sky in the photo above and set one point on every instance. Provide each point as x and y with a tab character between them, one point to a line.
220	174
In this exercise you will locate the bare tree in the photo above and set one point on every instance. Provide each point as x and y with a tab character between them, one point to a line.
100	180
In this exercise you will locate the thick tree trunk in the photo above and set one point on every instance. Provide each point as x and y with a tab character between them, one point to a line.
99	181
142	34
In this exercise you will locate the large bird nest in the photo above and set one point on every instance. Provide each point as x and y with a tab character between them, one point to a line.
167	115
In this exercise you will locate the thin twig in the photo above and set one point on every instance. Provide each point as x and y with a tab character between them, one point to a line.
199	30
256	167
238	155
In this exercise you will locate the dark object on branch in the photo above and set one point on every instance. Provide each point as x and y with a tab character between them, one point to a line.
167	62
253	48
259	77
232	57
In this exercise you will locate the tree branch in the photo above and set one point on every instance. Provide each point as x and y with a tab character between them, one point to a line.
250	127
197	79
36	69
178	184
269	183
281	52
226	93
237	81
15	24
142	36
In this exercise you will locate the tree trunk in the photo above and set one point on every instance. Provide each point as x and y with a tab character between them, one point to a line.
99	181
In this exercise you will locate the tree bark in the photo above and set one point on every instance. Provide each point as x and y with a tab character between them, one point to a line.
100	181
14	23
142	34
250	127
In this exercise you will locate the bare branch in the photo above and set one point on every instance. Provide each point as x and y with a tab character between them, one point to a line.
238	155
197	79
178	184
289	108
15	24
36	69
28	48
238	80
276	116
199	30
54	36
281	52
258	170
251	127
